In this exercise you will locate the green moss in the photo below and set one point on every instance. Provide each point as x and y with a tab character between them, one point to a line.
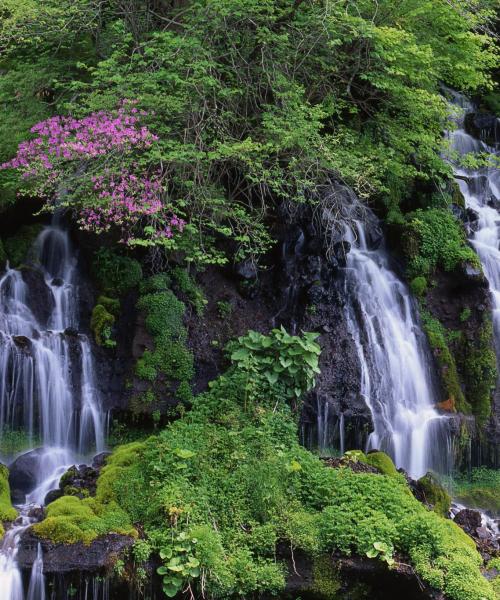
112	305
115	273
70	519
7	511
187	286
326	581
164	319
101	323
18	246
465	315
480	371
418	286
435	494
437	336
382	462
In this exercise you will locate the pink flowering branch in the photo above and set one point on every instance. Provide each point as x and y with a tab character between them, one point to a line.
126	197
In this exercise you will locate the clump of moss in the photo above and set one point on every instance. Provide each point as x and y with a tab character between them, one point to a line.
435	494
70	519
101	324
187	286
164	319
418	286
115	273
7	511
326	581
18	246
437	336
382	462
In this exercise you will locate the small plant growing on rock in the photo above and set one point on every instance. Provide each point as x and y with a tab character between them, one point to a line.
382	551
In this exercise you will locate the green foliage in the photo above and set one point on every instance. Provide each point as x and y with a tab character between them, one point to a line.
187	286
382	462
101	323
436	334
435	494
219	488
18	246
7	511
292	360
115	274
13	441
418	286
435	238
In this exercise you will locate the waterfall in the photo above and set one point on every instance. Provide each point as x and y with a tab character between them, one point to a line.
47	386
395	362
481	190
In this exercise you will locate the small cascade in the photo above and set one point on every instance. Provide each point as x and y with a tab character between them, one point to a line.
481	190
47	387
395	362
36	590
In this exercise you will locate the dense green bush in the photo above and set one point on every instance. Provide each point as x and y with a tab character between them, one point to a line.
115	273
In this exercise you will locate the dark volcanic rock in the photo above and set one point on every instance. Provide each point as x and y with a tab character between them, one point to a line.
39	299
23	473
469	520
64	558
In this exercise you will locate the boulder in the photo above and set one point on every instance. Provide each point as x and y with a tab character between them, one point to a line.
23	474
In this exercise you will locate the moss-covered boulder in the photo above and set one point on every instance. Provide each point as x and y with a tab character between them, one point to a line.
7	511
382	462
435	494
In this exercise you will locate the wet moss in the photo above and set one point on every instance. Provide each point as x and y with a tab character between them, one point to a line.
7	511
101	323
382	462
435	494
326	581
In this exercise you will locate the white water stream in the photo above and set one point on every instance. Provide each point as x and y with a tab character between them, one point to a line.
395	362
38	392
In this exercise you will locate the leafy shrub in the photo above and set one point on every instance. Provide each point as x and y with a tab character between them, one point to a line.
115	273
279	356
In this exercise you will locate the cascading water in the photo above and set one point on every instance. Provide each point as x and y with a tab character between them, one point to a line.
395	362
38	391
481	190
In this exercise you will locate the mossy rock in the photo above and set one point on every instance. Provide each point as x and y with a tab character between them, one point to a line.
7	511
326	579
435	494
382	462
18	247
101	323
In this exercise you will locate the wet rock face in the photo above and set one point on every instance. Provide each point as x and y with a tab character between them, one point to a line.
469	520
40	299
483	126
483	531
65	558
